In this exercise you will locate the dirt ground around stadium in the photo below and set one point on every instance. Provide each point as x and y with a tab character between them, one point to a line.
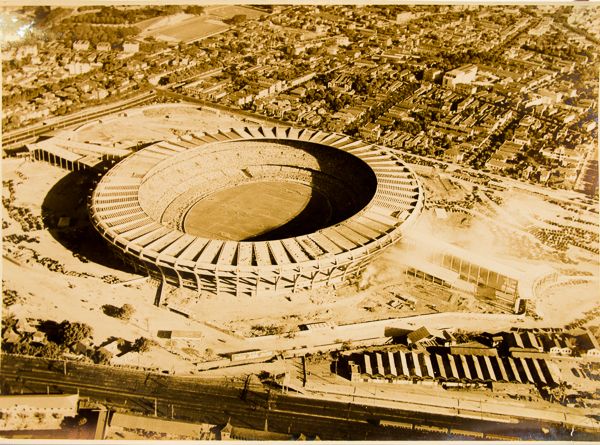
90	279
152	124
81	289
69	274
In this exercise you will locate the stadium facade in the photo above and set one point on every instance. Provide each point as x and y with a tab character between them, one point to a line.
370	196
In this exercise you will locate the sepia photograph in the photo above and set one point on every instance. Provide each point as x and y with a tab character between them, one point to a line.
272	222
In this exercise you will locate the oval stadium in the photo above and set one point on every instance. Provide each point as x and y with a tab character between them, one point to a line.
256	210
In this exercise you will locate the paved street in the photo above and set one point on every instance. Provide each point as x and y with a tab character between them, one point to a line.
377	329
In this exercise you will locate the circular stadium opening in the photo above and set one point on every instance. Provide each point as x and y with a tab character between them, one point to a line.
264	190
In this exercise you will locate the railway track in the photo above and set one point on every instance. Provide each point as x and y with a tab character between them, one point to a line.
198	400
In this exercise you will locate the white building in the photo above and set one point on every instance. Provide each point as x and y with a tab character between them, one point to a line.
36	412
464	74
27	50
76	68
131	47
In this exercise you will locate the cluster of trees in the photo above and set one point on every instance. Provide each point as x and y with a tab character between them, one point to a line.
60	338
286	73
114	16
22	96
69	32
362	84
240	81
63	337
550	47
260	330
421	122
185	73
334	101
194	9
151	45
72	332
142	344
449	60
392	99
27	347
27	95
46	15
407	126
479	159
101	356
237	19
86	8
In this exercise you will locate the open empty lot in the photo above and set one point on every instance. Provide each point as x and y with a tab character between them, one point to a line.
153	123
189	30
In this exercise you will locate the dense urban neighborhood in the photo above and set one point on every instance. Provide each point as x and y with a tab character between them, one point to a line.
197	199
507	90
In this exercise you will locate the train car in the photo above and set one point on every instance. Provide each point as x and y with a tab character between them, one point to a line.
499	437
466	433
395	424
431	429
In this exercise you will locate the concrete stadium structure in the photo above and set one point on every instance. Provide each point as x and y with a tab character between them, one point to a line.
356	200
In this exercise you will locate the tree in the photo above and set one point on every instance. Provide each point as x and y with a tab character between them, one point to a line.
102	356
71	333
50	350
9	320
40	416
142	344
237	19
73	422
346	345
361	84
126	312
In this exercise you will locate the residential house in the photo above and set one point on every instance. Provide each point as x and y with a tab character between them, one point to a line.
10	337
38	337
81	45
23	327
131	47
371	131
103	46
